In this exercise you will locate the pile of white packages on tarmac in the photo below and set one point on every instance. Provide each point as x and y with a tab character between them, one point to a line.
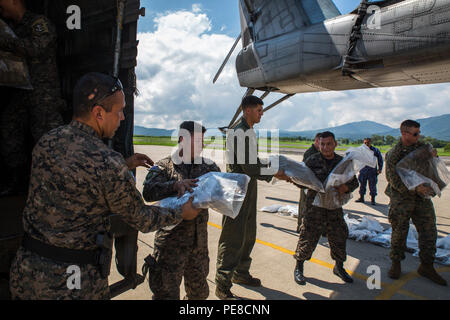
370	230
421	167
355	159
286	210
220	191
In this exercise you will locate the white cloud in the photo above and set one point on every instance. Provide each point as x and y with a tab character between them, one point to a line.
176	65
197	8
177	62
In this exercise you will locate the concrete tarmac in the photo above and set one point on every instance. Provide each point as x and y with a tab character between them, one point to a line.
276	242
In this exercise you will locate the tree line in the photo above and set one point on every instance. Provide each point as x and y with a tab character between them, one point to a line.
378	140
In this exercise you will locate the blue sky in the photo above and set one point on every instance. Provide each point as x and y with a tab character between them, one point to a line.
182	43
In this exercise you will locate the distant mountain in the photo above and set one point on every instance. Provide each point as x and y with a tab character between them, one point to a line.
435	127
143	131
354	130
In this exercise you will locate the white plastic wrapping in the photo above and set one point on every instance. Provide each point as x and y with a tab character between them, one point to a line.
420	167
298	172
13	69
444	243
220	191
272	208
370	230
282	210
353	162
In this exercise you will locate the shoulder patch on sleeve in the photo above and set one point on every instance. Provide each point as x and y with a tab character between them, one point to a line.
155	169
153	172
40	26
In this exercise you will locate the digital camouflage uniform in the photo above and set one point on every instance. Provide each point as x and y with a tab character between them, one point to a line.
38	110
302	202
238	235
317	220
76	183
405	205
183	250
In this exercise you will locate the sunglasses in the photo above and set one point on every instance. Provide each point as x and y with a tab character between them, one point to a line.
117	86
414	134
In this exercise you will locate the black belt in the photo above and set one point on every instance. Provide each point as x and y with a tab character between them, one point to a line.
65	255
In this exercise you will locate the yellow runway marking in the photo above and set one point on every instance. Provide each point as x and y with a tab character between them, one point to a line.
390	289
397	285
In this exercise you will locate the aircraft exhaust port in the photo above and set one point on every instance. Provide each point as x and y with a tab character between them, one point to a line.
250	74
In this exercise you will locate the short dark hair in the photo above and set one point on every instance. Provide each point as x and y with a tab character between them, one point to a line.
191	125
327	134
367	139
92	88
318	135
409	124
251	102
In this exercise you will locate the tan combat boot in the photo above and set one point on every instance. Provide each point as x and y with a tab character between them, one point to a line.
428	271
395	271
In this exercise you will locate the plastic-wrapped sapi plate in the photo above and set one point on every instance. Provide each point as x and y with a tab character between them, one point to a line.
220	191
298	172
421	167
354	160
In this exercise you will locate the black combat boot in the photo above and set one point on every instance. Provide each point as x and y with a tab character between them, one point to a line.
341	273
395	271
373	201
361	199
298	273
428	271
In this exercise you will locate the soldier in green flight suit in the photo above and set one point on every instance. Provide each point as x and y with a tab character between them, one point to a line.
239	235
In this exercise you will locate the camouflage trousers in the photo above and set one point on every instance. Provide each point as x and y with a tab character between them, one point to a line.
316	222
421	212
301	208
181	252
27	112
33	277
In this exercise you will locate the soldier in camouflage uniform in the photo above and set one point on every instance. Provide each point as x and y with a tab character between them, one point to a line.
405	205
238	235
319	220
37	110
76	183
302	202
183	250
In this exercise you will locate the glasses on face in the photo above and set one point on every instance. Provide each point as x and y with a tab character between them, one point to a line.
416	134
117	86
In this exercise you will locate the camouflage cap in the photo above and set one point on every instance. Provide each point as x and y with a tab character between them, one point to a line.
92	88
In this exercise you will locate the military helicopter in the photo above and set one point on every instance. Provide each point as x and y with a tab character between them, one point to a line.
299	46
